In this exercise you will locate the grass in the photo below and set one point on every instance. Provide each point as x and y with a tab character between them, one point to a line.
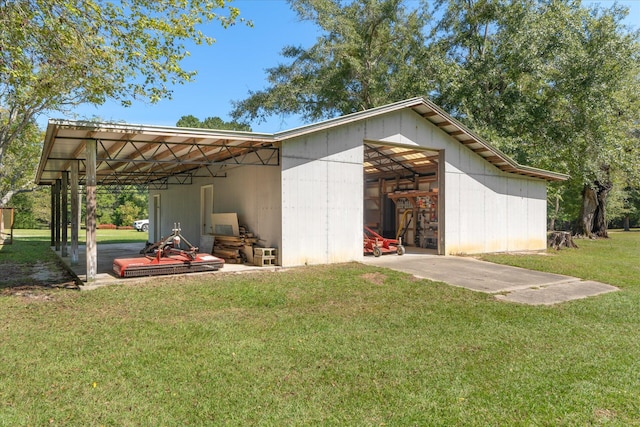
333	345
102	236
31	246
613	261
30	249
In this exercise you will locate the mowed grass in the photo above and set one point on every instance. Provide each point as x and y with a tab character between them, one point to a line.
31	246
102	236
615	260
333	345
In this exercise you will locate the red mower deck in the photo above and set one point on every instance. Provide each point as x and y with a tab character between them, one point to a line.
172	264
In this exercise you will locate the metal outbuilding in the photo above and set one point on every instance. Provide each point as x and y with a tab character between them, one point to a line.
405	167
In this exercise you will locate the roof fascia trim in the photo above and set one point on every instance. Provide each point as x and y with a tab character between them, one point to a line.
542	173
349	118
137	128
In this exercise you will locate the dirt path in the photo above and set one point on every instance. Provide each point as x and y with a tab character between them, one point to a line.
18	278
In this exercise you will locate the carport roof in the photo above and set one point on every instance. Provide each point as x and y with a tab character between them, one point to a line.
157	155
148	155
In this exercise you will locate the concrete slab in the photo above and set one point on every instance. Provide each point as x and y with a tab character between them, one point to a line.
557	293
509	283
108	252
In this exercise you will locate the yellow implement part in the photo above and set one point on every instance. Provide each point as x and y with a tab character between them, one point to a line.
402	223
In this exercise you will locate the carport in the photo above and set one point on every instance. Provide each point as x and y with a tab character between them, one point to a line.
88	155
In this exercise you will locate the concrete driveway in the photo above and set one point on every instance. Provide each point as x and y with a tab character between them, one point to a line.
506	283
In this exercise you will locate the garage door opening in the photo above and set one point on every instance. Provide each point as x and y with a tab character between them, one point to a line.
402	194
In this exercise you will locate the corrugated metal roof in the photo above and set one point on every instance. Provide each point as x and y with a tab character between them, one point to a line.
144	155
153	155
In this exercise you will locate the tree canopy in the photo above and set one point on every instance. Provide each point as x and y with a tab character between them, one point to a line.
191	121
554	84
370	51
56	54
18	161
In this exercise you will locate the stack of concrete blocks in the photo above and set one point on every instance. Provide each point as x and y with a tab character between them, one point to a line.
265	257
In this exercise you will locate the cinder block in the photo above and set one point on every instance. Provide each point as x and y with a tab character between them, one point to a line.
265	252
265	261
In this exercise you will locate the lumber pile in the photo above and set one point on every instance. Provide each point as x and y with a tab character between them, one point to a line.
235	249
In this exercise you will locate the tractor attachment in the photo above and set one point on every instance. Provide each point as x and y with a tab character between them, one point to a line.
167	257
377	245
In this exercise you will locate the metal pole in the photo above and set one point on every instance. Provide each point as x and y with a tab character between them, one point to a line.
65	210
52	217
441	204
75	207
92	249
57	215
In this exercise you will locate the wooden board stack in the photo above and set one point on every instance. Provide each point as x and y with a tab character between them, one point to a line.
235	249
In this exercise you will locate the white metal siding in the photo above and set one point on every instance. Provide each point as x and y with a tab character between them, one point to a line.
178	204
253	192
322	197
486	209
312	207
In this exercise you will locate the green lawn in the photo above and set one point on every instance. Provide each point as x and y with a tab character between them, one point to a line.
333	345
30	249
615	261
102	236
30	246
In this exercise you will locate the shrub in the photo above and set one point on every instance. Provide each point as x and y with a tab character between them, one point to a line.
106	227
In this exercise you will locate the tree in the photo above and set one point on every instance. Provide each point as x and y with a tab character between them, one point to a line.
18	161
127	213
624	199
555	85
122	205
58	54
370	52
623	207
32	209
191	121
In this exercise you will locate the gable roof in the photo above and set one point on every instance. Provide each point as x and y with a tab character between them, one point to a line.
443	121
147	155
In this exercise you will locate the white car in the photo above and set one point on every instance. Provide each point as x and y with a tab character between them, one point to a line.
141	225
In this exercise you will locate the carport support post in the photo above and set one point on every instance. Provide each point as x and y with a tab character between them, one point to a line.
52	222
441	203
75	205
56	220
90	187
65	210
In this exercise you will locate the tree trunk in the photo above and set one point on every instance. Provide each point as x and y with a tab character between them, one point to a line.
600	220
625	222
587	212
6	198
561	239
593	215
552	224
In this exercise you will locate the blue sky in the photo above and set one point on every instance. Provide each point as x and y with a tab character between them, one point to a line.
235	64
